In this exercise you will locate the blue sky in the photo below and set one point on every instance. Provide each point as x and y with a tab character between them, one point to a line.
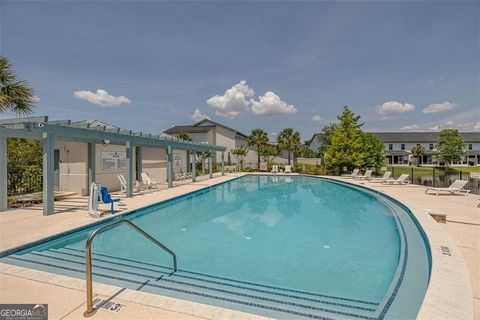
401	65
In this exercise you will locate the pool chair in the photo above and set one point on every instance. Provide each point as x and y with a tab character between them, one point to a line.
351	175
288	169
137	186
385	177
274	169
456	187
366	176
99	194
400	180
147	181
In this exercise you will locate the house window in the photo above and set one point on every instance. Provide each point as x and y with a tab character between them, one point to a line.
402	146
390	146
430	146
470	146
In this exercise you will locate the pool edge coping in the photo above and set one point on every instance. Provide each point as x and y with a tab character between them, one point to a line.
449	293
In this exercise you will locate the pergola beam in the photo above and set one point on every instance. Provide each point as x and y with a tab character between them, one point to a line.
48	179
3	171
170	166
91	164
130	168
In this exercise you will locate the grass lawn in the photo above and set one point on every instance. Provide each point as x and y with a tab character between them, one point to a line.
428	171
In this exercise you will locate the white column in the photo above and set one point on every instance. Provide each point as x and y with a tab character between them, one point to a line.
170	166
48	180
139	160
3	171
130	167
91	164
194	166
223	166
210	165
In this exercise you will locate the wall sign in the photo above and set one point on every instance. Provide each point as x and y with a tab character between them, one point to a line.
114	161
177	160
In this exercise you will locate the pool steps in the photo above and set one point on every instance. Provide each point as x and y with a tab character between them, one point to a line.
282	303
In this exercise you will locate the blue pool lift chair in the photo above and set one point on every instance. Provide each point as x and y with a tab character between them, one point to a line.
99	194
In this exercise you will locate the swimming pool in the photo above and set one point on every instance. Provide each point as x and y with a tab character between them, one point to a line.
277	246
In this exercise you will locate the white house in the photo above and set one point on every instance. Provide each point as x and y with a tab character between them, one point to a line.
211	132
398	146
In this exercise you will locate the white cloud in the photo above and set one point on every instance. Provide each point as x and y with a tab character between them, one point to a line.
239	99
197	115
411	127
234	100
35	98
316	118
101	97
438	107
270	104
476	126
394	107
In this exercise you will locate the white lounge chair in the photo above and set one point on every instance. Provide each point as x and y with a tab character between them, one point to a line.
400	180
274	169
137	186
149	182
366	176
288	169
351	175
456	187
385	177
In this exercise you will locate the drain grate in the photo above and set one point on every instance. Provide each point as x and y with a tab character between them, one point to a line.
108	305
446	251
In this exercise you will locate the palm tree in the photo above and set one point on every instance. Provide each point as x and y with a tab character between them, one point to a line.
259	139
288	140
15	95
418	151
184	136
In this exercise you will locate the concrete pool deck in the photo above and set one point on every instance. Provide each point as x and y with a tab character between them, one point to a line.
66	296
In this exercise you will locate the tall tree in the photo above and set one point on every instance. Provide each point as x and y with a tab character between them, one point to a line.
268	154
450	146
289	140
373	154
259	139
240	153
324	139
15	95
418	152
346	143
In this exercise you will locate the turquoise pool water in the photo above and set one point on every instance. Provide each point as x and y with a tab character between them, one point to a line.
273	245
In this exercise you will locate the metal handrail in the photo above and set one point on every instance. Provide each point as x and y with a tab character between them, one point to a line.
88	258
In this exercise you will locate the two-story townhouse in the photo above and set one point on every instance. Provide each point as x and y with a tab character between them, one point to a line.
398	146
209	131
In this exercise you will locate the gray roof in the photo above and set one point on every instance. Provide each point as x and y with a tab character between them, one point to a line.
188	129
197	127
415	136
421	136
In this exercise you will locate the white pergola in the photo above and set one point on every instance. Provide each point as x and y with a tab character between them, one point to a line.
39	128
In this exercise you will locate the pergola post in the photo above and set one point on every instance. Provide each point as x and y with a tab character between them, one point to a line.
139	160
210	164
170	166
129	150
91	164
223	165
48	180
194	166
3	171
